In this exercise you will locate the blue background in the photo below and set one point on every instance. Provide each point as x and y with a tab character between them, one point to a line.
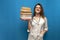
13	28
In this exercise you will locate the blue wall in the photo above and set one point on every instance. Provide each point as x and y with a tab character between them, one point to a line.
12	28
53	15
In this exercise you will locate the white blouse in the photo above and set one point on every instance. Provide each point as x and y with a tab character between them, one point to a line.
38	26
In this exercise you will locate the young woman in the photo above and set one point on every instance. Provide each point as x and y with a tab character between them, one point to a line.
38	24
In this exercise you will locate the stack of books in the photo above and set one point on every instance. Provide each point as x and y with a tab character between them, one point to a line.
25	13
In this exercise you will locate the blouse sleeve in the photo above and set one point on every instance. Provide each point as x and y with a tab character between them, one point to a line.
46	25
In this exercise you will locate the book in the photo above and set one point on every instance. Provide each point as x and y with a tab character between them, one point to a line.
25	13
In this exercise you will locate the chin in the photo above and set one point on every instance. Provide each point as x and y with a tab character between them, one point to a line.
37	12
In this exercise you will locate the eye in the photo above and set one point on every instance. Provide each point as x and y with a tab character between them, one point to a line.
36	7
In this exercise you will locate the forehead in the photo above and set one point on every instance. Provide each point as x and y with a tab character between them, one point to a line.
38	6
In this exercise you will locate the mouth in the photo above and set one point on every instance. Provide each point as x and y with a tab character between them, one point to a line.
37	9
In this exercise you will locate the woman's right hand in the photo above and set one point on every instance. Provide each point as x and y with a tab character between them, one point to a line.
28	30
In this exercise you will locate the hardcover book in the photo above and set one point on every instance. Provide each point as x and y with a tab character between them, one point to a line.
25	13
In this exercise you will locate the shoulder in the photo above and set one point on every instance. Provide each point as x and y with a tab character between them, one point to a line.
45	18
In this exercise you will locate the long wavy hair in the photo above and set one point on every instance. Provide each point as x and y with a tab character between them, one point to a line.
41	12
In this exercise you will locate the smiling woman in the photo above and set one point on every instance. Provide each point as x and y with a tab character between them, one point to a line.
38	24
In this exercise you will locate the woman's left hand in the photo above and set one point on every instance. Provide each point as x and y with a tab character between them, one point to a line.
42	33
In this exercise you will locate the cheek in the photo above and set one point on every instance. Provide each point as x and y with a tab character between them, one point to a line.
39	9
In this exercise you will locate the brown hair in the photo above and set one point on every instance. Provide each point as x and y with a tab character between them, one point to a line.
41	13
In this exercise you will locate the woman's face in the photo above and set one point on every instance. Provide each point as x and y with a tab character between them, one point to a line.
38	9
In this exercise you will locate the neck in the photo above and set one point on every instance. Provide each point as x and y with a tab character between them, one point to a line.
37	15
